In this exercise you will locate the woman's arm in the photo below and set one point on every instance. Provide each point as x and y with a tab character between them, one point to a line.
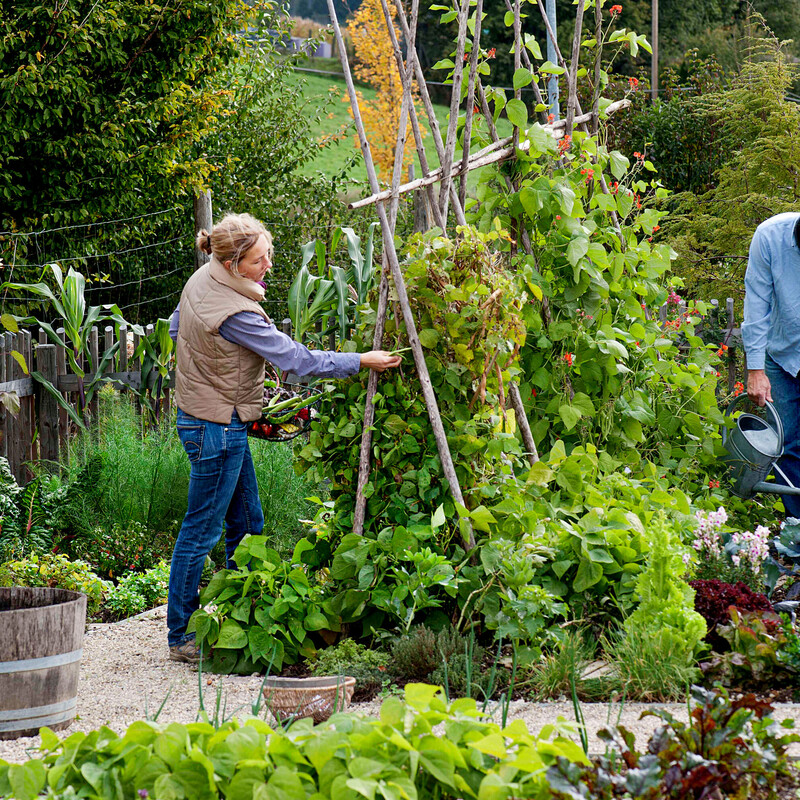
251	330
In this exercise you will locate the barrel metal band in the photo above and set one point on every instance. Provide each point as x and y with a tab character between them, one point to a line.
30	718
29	664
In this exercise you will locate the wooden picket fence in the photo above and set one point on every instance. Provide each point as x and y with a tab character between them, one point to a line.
40	430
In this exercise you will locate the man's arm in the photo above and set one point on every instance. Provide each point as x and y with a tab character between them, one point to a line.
757	313
173	323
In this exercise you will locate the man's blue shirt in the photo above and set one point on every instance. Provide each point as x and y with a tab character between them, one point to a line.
772	295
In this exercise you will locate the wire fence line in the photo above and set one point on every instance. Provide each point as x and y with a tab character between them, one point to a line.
140	263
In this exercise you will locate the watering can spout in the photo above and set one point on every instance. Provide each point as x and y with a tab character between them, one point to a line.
775	488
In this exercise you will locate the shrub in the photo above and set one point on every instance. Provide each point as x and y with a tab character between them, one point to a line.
713	598
138	592
367	666
446	658
57	571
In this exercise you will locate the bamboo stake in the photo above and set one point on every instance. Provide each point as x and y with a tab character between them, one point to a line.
455	104
364	459
473	71
406	80
572	85
429	110
488	155
448	468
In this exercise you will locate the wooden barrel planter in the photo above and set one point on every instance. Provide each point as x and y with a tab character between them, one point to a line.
41	638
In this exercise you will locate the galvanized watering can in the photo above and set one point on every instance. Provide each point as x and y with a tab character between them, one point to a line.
753	447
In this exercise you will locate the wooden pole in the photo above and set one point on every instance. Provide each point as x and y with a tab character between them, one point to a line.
488	155
429	110
522	422
473	71
406	80
455	104
203	220
364	459
552	45
572	85
654	44
598	34
448	468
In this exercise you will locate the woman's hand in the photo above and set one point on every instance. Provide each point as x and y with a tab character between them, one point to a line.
379	360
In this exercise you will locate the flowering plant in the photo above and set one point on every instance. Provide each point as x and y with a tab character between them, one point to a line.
729	555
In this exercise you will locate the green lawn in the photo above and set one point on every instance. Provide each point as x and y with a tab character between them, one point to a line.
333	158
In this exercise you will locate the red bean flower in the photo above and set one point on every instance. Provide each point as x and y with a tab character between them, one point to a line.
569	358
615	11
633	83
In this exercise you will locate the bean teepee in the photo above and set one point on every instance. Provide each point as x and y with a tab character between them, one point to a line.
450	196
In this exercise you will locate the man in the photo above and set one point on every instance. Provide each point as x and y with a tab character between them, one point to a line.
771	333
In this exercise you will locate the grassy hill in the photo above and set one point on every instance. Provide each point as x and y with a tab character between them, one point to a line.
330	93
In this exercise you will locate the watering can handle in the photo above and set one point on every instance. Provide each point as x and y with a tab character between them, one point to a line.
771	410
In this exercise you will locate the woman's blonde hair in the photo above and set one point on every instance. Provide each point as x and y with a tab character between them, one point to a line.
232	237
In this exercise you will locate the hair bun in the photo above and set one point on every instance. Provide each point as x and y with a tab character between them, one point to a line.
203	242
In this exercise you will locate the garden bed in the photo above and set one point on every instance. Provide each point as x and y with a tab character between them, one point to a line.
126	675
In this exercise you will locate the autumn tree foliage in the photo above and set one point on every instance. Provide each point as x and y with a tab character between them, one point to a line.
376	66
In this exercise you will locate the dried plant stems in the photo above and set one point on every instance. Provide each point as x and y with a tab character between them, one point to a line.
448	468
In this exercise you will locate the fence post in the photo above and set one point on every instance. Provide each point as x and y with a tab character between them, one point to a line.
27	411
49	439
203	220
13	424
61	369
4	415
94	354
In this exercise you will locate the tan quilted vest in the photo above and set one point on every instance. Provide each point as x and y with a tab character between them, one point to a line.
213	376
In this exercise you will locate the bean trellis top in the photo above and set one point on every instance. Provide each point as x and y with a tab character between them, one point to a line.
772	294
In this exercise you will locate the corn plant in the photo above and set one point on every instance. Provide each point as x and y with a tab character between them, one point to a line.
155	351
68	300
334	294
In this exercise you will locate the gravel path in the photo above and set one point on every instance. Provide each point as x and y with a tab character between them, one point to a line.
125	674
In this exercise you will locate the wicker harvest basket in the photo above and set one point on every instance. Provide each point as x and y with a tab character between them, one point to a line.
293	698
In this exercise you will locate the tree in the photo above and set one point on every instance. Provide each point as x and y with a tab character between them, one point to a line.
759	178
103	103
376	66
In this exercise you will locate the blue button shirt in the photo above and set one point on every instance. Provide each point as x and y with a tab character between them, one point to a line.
251	330
772	295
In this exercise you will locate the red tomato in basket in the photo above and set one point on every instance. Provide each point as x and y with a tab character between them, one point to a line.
266	429
256	427
303	414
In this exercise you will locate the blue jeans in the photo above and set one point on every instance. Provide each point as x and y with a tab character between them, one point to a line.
222	486
786	399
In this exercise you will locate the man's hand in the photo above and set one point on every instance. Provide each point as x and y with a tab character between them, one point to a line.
379	360
758	388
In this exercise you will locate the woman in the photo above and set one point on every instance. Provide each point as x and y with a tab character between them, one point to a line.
223	338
